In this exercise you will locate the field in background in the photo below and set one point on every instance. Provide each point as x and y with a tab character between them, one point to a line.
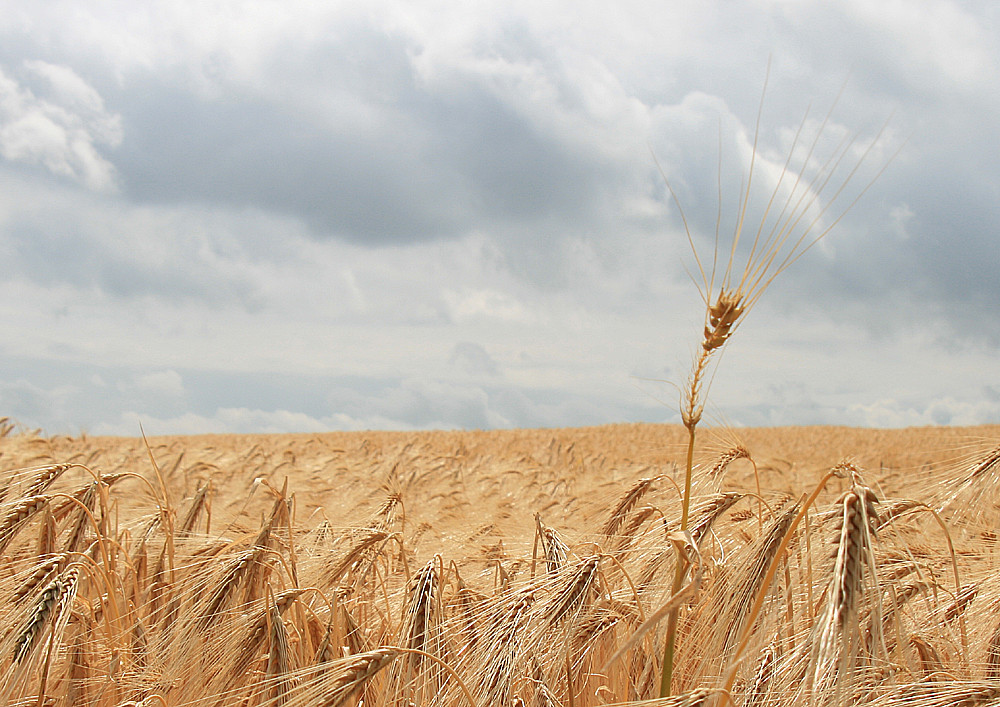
342	475
500	567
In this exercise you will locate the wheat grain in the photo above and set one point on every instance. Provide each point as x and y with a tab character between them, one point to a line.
575	591
17	515
41	573
350	675
625	505
44	478
279	661
198	505
707	512
838	631
554	549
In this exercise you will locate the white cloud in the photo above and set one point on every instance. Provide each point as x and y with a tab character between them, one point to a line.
165	383
942	37
61	132
224	421
899	219
251	421
941	411
472	304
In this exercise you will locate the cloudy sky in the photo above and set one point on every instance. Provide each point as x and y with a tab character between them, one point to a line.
302	216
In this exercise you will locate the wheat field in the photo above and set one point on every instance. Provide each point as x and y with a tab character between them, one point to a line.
523	567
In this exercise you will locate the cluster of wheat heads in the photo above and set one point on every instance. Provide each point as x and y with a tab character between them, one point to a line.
164	590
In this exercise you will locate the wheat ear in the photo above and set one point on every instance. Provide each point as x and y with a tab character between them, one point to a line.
553	547
749	583
993	654
279	660
699	697
957	606
421	627
42	572
78	534
50	611
838	629
358	554
707	512
44	478
625	505
17	516
258	630
941	693
501	648
198	505
51	607
351	674
574	591
757	691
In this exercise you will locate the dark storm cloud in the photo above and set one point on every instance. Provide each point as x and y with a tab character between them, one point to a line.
237	152
376	155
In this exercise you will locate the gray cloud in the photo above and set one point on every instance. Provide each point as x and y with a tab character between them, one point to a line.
377	154
287	218
114	400
472	359
58	238
34	406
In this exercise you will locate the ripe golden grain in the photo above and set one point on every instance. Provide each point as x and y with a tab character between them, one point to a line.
336	622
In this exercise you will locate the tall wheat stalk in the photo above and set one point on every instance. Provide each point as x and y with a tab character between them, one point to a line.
733	283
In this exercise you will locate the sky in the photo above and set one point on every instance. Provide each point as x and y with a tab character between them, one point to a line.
307	216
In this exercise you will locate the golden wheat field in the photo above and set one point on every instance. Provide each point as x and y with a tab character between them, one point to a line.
527	567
